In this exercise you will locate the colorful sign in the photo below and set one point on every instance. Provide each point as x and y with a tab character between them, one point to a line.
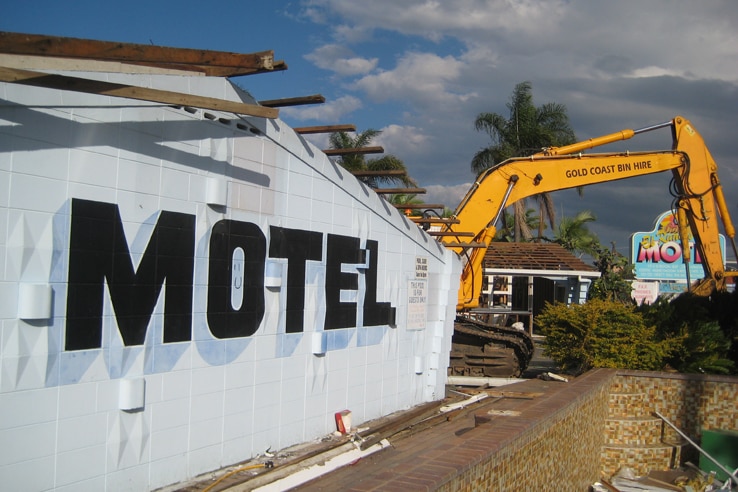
657	255
645	292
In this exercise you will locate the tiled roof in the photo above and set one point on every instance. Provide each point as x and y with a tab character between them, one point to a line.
533	256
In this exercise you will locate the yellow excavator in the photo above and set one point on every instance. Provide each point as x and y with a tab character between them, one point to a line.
483	350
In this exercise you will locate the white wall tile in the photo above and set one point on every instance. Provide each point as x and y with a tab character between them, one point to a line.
169	442
34	474
77	400
36	193
29	442
26	408
80	464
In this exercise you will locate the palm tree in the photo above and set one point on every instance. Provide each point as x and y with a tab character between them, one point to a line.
506	233
400	199
527	130
574	235
358	162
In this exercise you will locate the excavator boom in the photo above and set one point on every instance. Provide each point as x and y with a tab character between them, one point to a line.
699	194
480	349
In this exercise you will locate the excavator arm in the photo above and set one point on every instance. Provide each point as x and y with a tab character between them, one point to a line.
699	197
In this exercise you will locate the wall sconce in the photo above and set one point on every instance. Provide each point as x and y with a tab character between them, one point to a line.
216	192
34	301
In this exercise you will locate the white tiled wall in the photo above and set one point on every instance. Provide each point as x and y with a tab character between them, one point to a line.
207	402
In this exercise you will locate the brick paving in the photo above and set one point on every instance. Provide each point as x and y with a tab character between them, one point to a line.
434	458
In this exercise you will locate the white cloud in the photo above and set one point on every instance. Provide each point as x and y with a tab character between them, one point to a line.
450	196
611	63
435	19
341	60
424	76
329	111
408	138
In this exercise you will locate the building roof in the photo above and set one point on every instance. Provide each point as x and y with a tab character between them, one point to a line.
534	258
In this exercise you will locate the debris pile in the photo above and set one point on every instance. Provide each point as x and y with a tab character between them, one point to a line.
685	479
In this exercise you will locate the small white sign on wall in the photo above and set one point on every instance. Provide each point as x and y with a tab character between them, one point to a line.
417	295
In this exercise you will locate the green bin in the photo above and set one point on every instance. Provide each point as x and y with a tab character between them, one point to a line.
723	446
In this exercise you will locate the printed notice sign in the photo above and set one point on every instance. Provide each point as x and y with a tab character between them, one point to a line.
417	301
421	268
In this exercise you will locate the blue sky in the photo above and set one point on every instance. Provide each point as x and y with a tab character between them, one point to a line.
421	70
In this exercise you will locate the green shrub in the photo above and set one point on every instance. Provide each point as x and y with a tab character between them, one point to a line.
692	325
600	333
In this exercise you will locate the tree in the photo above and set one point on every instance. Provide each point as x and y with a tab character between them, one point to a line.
527	130
616	276
700	330
358	162
400	199
574	235
506	232
600	333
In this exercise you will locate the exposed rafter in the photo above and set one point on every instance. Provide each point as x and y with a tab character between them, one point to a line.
379	173
325	129
400	191
76	84
213	63
358	150
293	101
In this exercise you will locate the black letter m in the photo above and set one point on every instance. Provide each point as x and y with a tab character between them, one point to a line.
98	253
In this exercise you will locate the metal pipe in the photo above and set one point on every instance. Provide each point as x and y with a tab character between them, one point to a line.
719	465
510	184
653	127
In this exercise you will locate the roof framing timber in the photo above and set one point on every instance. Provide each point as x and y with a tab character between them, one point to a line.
379	173
358	150
325	129
400	191
89	86
207	62
293	101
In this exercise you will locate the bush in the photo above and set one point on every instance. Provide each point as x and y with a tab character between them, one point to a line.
692	325
600	333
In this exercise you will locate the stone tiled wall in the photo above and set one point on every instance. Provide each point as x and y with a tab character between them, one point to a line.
690	402
558	448
563	444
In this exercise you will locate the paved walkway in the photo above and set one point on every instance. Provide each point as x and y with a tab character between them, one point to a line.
431	458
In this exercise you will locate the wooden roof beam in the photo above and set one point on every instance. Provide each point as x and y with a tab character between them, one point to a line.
360	150
325	129
400	191
77	84
465	245
435	220
370	173
293	101
420	205
451	233
213	63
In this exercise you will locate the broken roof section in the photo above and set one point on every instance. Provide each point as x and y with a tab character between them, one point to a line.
26	59
534	259
71	52
23	57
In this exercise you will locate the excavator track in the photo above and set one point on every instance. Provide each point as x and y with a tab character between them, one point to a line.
480	349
